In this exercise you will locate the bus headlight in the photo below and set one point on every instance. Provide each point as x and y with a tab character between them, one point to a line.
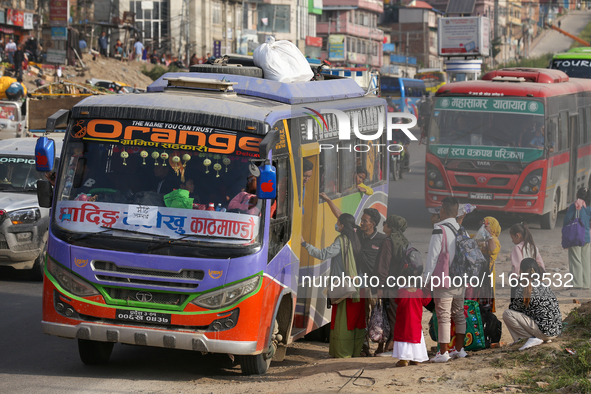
69	281
227	296
531	183
434	177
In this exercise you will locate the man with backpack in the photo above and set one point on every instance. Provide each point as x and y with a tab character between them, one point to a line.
449	300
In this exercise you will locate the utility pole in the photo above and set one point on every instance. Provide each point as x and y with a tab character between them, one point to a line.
406	54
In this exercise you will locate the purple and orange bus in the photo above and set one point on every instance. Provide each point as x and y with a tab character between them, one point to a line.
127	265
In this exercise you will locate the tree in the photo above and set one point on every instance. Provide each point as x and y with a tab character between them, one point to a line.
496	46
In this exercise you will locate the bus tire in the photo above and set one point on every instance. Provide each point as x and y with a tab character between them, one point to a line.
94	352
259	364
548	220
255	72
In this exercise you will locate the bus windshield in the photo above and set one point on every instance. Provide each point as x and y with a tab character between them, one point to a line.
574	68
150	189
502	122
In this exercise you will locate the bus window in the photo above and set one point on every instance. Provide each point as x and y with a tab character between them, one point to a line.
551	134
372	162
563	131
582	126
280	223
588	122
329	172
346	166
390	86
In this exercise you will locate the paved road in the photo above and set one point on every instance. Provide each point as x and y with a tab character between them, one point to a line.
31	362
555	42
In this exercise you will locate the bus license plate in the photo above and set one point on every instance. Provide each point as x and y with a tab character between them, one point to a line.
481	196
143	317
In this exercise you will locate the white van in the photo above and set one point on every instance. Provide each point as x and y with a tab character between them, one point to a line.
23	224
12	120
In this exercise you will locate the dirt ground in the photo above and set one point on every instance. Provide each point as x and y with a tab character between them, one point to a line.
308	367
102	68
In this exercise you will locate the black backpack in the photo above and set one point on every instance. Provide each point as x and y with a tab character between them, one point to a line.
493	328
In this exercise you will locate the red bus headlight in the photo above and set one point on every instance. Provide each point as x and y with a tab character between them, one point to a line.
531	183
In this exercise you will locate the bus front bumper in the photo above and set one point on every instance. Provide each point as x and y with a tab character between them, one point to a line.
500	202
148	337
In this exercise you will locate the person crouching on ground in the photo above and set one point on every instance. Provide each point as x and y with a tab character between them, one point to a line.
409	341
347	327
534	312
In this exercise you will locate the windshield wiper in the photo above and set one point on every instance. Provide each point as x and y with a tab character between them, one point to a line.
125	230
177	241
75	237
457	138
512	145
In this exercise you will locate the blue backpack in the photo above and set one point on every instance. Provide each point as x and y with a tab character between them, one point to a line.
468	258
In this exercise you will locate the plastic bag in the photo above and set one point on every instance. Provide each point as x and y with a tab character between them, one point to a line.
282	61
379	327
482	236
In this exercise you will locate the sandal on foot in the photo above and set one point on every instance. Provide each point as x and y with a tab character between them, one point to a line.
402	363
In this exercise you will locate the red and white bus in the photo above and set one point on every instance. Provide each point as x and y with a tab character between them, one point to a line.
517	141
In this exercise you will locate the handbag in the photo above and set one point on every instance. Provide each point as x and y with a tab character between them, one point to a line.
345	289
573	234
379	326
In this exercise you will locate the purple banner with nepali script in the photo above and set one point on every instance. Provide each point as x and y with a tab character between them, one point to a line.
84	217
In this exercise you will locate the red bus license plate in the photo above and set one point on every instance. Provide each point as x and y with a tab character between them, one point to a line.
481	196
143	317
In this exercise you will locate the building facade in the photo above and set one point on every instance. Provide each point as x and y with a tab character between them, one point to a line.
350	33
18	19
414	33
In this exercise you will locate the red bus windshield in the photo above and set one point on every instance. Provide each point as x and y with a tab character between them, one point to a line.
501	128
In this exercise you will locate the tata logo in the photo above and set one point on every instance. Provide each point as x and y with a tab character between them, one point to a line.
483	163
143	296
80	263
215	274
481	179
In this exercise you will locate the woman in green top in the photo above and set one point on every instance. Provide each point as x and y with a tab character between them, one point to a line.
347	328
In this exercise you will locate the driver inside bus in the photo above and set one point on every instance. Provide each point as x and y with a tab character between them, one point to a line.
538	140
461	130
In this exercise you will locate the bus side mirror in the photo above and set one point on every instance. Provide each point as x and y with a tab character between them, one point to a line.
44	193
268	143
60	117
267	182
44	154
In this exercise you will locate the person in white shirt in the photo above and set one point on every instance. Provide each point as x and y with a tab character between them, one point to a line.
139	49
10	50
449	300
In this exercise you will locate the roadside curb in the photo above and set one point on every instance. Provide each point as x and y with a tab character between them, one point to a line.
540	37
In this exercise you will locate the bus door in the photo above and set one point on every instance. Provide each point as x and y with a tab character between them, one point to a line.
573	145
306	307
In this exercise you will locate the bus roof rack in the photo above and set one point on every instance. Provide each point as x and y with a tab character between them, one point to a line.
509	79
287	93
537	75
201	83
